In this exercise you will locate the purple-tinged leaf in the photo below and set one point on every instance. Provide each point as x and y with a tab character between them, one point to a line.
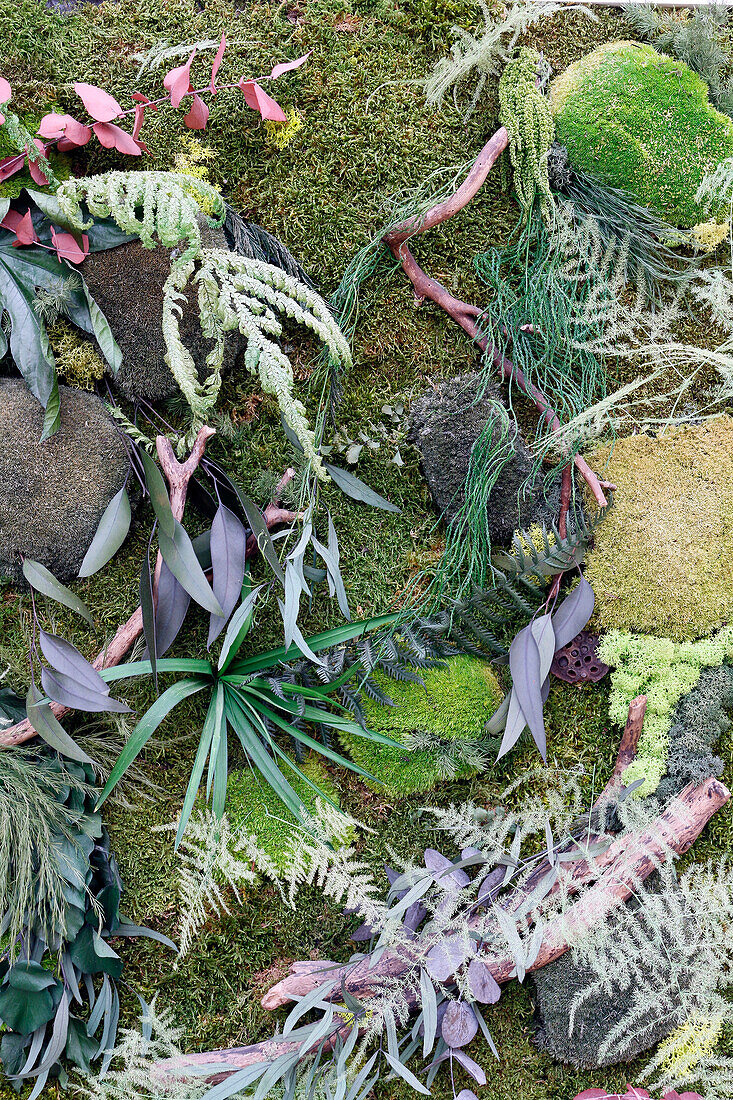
147	606
448	956
63	689
459	1024
573	613
530	657
66	658
363	933
441	866
414	916
170	611
471	1067
467	1094
228	546
489	884
515	723
180	557
482	984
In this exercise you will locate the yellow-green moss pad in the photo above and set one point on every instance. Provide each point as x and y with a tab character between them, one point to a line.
640	121
661	563
454	705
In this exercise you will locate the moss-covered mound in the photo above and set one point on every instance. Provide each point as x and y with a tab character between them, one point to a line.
253	805
52	494
642	122
440	724
662	557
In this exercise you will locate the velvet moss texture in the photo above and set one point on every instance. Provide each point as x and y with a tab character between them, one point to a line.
661	560
453	705
640	121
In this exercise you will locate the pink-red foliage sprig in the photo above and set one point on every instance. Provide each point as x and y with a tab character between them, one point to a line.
66	132
634	1093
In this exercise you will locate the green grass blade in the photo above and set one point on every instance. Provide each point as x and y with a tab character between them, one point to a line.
241	722
147	726
324	640
212	726
165	664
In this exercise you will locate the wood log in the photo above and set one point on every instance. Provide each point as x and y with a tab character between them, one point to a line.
628	861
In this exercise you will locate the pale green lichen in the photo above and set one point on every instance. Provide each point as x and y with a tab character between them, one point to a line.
441	725
664	671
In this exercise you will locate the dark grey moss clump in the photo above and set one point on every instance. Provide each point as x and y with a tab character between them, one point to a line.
444	426
127	284
53	494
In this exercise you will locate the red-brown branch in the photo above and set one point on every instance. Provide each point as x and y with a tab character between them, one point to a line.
178	474
465	314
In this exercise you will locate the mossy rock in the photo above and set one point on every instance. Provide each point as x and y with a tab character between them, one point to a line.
253	805
53	494
640	121
127	284
662	557
454	705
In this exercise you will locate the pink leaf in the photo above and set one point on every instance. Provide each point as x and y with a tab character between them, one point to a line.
217	63
2	118
67	248
198	116
258	99
10	165
178	81
5	90
288	66
101	105
114	137
37	174
593	1094
22	226
66	128
140	97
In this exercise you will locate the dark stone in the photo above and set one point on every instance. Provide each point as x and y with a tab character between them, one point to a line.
53	494
127	283
445	423
555	989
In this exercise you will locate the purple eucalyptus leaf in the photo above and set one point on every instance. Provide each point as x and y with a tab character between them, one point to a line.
364	933
440	866
470	1067
441	1013
66	659
414	916
170	612
67	691
459	1024
228	546
482	984
530	657
573	613
147	607
448	956
489	884
467	1094
515	723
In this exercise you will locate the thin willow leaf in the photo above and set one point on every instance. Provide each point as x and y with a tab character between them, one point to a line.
43	580
406	1074
430	1013
239	626
158	493
180	557
110	534
356	489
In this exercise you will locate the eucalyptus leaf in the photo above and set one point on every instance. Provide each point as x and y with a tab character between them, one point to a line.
66	658
573	613
70	693
180	557
43	580
459	1025
170	609
228	545
110	534
356	489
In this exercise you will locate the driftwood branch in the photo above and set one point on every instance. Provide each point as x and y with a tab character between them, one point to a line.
178	475
465	314
611	878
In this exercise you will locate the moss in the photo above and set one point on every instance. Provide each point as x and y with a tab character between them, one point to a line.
661	560
253	805
664	671
453	706
640	121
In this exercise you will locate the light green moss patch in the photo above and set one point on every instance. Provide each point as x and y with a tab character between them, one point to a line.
453	706
253	805
662	558
642	122
664	671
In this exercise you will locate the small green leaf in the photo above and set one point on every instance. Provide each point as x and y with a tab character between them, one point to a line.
180	557
358	490
43	581
103	333
52	416
50	730
158	493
